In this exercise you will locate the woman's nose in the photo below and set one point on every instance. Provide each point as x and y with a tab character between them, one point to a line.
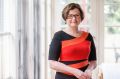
73	17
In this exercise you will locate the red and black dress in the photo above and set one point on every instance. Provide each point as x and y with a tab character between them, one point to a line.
73	51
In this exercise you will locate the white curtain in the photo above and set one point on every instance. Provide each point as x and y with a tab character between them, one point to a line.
25	34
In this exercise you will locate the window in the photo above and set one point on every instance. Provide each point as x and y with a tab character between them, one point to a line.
111	31
8	68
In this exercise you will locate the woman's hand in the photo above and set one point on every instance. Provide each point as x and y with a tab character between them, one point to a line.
88	74
79	74
88	71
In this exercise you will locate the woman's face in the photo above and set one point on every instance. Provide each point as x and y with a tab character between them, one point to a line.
73	18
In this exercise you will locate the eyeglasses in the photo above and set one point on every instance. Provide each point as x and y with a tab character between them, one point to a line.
71	16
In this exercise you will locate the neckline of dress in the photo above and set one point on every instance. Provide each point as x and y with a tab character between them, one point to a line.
72	35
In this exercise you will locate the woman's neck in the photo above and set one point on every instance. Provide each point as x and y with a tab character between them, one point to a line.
73	31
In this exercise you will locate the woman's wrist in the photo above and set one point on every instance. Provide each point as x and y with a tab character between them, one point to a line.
77	72
88	70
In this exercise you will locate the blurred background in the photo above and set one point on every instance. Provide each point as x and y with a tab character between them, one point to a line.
27	27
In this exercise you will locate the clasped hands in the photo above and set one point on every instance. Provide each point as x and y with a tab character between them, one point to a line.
83	75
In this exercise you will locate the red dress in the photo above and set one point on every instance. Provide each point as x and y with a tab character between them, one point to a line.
73	51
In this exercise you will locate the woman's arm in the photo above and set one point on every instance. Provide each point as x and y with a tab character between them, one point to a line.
60	67
91	67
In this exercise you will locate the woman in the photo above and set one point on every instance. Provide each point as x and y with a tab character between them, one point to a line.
72	52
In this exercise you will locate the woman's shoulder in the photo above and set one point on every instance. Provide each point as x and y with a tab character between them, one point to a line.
86	33
89	35
58	33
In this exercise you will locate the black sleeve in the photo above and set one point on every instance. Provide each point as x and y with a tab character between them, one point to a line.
92	55
55	47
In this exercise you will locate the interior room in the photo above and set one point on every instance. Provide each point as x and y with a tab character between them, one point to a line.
28	26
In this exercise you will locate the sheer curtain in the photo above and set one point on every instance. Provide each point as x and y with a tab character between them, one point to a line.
19	59
7	39
24	38
29	39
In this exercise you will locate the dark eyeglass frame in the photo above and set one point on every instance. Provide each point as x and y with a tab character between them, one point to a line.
70	16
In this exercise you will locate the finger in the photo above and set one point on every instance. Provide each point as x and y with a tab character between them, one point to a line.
89	75
83	77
